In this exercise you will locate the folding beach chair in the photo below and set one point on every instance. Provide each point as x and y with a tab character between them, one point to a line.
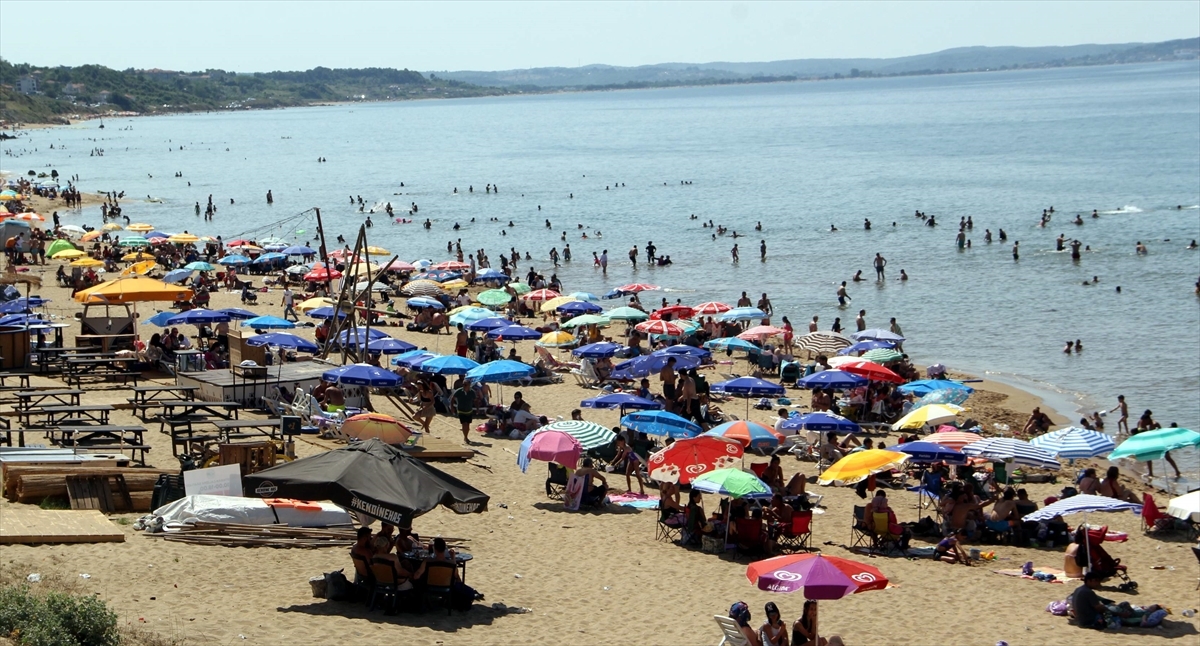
796	537
860	534
553	363
669	526
556	481
882	540
1153	519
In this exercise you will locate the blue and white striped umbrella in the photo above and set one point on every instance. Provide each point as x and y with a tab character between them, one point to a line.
1080	504
742	314
1004	449
1074	442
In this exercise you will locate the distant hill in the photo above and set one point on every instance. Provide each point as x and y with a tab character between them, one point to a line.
960	59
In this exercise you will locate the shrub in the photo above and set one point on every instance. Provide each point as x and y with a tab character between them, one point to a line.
56	619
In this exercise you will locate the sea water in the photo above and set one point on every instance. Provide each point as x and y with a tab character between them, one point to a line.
797	157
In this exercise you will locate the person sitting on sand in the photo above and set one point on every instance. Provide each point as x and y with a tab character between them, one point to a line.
773	631
599	485
1089	484
694	526
1111	486
949	550
1003	515
1038	422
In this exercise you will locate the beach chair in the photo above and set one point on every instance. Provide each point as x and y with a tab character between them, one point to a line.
1153	519
669	526
749	535
556	482
797	536
387	583
364	581
882	540
860	535
586	375
553	363
758	468
439	582
731	634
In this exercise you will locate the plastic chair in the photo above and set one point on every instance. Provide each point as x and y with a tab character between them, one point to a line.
439	581
731	633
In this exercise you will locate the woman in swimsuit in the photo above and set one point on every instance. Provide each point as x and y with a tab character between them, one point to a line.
628	462
426	412
773	631
804	629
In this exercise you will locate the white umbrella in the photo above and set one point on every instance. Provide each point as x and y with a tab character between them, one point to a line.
1186	507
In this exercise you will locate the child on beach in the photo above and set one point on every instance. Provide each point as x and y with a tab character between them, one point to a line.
1123	423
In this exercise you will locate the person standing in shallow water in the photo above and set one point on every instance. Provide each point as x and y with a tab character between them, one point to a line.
842	296
880	263
1017	250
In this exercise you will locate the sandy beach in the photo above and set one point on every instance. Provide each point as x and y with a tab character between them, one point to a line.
591	578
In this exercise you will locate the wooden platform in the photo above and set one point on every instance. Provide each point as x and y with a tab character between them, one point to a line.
32	526
431	448
224	385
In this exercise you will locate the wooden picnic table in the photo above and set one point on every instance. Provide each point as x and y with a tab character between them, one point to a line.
181	417
230	429
101	438
48	356
35	398
147	398
66	415
74	370
222	410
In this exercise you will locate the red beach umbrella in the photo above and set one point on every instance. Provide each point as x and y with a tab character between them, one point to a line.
659	327
633	288
712	307
674	311
686	459
872	371
541	295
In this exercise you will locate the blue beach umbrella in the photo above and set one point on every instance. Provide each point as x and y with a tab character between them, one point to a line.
199	265
945	396
835	379
931	452
923	387
491	275
412	358
326	312
877	334
644	366
584	296
161	318
492	323
419	302
176	275
731	343
819	421
749	387
199	317
514	333
269	258
234	260
597	350
742	314
389	346
690	350
660	422
361	374
237	313
579	307
438	275
501	371
622	401
268	323
352	335
864	346
299	250
283	340
22	305
449	365
150	235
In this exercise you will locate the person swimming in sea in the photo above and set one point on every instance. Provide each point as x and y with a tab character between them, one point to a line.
832	228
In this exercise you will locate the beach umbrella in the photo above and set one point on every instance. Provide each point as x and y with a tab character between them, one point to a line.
237	313
1186	507
389	346
660	422
1153	445
589	434
371	478
299	250
454	285
494	297
585	319
326	313
501	371
283	340
183	238
139	227
174	276
412	358
73	229
553	303
449	365
947	396
819	421
864	346
673	312
111	226
491	323
453	265
268	323
733	483
557	339
139	268
877	334
684	460
871	370
711	307
927	452
466	315
68	254
421	288
634	288
437	276
760	332
622	401
160	319
1007	449
822	342
322	274
882	355
832	379
294	270
860	464
520	288
579	307
361	374
91	235
314	303
584	296
233	260
923	387
549	446
541	295
267	258
659	327
930	415
749	387
731	343
132	289
22	305
398	265
87	262
514	333
199	317
689	350
598	350
1080	504
133	242
742	314
385	428
820	576
271	240
238	242
490	274
419	302
645	365
626	314
352	336
199	265
1073	443
752	435
954	439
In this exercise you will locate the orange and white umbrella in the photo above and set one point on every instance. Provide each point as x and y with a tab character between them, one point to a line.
451	265
365	426
760	332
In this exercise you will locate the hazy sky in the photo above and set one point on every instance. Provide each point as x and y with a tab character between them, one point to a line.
263	36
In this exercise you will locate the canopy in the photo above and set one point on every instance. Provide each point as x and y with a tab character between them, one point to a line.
579	307
1080	504
237	313
449	365
731	343
483	325
199	317
660	422
549	446
1073	443
1153	445
589	434
819	575
514	333
648	364
733	483
133	289
1007	449
388	345
864	346
371	478
857	466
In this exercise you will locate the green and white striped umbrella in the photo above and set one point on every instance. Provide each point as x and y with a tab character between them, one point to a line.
589	434
882	355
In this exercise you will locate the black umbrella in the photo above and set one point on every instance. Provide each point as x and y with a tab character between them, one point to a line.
372	478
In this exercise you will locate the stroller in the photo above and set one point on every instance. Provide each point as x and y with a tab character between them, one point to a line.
1101	561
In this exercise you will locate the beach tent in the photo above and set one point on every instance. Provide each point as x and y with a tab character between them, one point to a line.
370	478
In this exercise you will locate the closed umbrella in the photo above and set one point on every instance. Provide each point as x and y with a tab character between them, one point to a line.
686	459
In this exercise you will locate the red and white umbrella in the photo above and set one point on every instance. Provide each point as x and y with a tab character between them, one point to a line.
399	265
659	327
674	311
871	370
238	243
818	575
686	459
711	307
451	265
29	217
954	439
321	273
633	288
759	332
541	295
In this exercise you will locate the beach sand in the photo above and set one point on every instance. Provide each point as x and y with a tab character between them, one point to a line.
587	578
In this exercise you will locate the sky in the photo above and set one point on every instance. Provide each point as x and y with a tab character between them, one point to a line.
246	36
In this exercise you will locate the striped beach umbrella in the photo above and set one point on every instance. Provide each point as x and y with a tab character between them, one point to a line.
494	297
711	307
1006	449
953	439
1074	442
421	288
589	434
882	355
666	328
822	342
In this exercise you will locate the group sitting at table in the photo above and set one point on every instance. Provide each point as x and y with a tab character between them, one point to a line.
401	558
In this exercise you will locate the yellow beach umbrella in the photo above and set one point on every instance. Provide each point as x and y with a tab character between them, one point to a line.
139	269
133	289
183	238
136	256
378	251
929	415
454	285
67	254
314	303
91	235
552	304
87	262
111	226
361	268
558	339
140	227
857	466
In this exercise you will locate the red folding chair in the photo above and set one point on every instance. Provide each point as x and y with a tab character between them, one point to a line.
796	537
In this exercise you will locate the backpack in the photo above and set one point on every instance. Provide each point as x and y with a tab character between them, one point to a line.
338	587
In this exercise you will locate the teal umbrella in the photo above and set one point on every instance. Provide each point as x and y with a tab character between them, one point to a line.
626	314
734	483
199	265
494	297
589	434
1153	445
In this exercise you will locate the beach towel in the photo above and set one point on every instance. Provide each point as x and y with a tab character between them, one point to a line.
1059	575
633	500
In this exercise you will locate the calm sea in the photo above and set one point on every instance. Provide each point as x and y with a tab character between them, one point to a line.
798	157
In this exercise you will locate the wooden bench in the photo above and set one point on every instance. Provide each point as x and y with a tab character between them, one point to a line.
65	415
261	428
148	398
76	378
61	396
21	377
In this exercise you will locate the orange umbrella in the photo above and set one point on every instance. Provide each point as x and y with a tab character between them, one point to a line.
133	289
91	235
385	427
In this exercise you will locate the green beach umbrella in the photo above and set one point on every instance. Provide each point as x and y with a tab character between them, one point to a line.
734	483
494	297
589	434
1153	445
882	355
626	314
520	288
57	246
585	319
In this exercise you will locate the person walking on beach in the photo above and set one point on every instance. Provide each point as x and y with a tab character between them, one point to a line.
1123	423
842	296
734	252
289	305
463	398
812	325
880	263
633	255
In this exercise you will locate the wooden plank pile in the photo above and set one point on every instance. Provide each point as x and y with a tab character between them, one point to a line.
239	535
33	484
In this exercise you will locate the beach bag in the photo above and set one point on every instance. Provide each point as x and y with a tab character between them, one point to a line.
337	587
1058	608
